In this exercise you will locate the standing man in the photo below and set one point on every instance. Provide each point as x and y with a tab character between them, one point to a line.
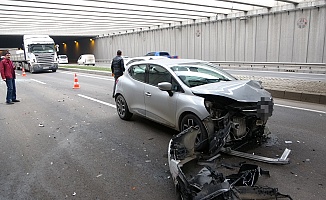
7	70
117	68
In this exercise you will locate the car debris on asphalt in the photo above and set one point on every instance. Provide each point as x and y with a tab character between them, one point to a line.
196	175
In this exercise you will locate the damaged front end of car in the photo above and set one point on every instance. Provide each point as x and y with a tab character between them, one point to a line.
198	178
238	113
237	123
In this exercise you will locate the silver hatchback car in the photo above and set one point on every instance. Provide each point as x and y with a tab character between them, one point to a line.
181	93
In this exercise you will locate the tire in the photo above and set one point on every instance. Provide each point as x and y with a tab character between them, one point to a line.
54	70
122	108
31	69
201	143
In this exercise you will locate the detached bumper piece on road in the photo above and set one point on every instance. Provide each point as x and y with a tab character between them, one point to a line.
195	175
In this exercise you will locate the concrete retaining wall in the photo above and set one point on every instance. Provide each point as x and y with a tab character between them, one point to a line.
298	96
281	34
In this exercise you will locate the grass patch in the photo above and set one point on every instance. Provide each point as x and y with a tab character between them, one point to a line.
108	69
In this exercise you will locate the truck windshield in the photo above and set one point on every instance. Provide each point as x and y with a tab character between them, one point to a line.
42	48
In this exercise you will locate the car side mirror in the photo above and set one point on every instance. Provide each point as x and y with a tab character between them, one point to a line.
166	86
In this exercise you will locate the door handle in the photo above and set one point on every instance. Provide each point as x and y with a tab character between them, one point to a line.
148	94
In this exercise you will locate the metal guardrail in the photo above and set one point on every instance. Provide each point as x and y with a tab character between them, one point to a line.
319	68
103	60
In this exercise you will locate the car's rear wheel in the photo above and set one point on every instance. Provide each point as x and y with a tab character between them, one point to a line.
201	143
122	108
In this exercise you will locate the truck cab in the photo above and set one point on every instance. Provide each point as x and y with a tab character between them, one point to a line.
40	53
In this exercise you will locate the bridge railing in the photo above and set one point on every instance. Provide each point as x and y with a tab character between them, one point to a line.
103	60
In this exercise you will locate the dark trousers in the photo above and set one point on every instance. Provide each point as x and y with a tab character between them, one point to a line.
11	89
115	84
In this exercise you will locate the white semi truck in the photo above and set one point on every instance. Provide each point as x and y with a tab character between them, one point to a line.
38	54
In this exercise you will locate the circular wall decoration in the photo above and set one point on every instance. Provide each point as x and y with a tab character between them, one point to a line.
197	33
302	22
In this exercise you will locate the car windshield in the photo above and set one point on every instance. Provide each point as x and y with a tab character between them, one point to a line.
201	73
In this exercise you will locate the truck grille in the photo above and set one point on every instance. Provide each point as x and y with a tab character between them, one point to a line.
44	57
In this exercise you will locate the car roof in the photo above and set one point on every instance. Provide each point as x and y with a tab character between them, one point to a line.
149	57
170	61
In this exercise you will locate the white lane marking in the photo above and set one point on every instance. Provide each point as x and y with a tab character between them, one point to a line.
38	81
298	108
96	100
89	76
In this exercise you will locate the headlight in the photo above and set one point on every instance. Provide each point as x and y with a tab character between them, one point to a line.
208	105
265	107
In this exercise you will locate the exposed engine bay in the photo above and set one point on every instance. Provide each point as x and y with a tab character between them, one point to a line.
232	123
196	176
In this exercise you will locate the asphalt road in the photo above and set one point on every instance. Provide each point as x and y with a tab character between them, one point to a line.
64	143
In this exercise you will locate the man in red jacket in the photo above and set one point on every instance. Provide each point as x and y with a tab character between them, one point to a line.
7	70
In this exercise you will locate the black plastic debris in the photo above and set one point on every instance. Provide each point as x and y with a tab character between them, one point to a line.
198	179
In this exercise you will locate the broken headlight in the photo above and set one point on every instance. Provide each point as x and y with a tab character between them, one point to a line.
265	108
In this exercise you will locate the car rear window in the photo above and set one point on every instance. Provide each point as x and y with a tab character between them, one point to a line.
164	54
134	60
151	54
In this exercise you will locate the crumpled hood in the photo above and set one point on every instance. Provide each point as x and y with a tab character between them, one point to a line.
239	90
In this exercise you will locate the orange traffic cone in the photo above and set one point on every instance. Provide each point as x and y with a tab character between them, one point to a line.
76	84
23	69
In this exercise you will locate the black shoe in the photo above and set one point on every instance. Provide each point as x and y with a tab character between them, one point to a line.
9	102
15	100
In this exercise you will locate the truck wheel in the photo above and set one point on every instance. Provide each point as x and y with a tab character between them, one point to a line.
54	70
31	69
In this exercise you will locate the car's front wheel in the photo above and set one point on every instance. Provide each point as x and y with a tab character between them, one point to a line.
122	108
201	143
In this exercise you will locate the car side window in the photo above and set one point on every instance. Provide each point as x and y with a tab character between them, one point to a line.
176	87
158	74
137	72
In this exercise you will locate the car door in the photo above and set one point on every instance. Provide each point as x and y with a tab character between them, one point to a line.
133	89
160	106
